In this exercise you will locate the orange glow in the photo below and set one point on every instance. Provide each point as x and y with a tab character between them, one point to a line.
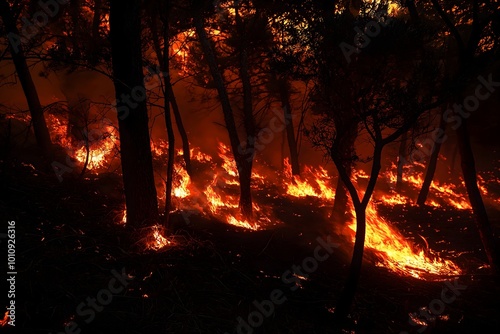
243	223
123	221
5	319
447	193
396	253
156	240
101	145
181	182
312	182
219	195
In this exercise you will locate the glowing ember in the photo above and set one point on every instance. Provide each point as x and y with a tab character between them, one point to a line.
396	253
123	221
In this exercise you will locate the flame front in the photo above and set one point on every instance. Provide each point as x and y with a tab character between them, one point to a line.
220	197
396	253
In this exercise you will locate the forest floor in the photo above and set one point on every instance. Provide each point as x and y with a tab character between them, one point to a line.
69	244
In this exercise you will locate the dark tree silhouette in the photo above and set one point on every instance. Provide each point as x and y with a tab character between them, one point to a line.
16	49
135	147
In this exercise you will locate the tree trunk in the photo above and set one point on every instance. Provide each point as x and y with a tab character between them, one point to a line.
168	119
39	125
290	131
470	178
431	168
245	173
401	162
95	40
76	33
412	9
341	202
343	306
186	152
248	120
240	157
347	296
135	145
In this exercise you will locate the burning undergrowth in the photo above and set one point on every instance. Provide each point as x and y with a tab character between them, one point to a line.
213	192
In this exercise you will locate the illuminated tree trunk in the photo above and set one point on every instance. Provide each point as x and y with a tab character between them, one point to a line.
135	146
168	119
431	168
401	161
290	130
186	152
468	165
37	118
341	202
346	298
241	156
466	56
245	169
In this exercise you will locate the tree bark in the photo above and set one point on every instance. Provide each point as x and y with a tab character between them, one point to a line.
343	306
186	152
349	291
470	178
341	202
135	145
248	120
290	130
401	161
242	157
431	168
168	118
40	129
95	40
76	33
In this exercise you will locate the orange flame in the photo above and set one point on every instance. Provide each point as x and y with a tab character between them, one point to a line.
156	240
5	319
312	182
396	253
